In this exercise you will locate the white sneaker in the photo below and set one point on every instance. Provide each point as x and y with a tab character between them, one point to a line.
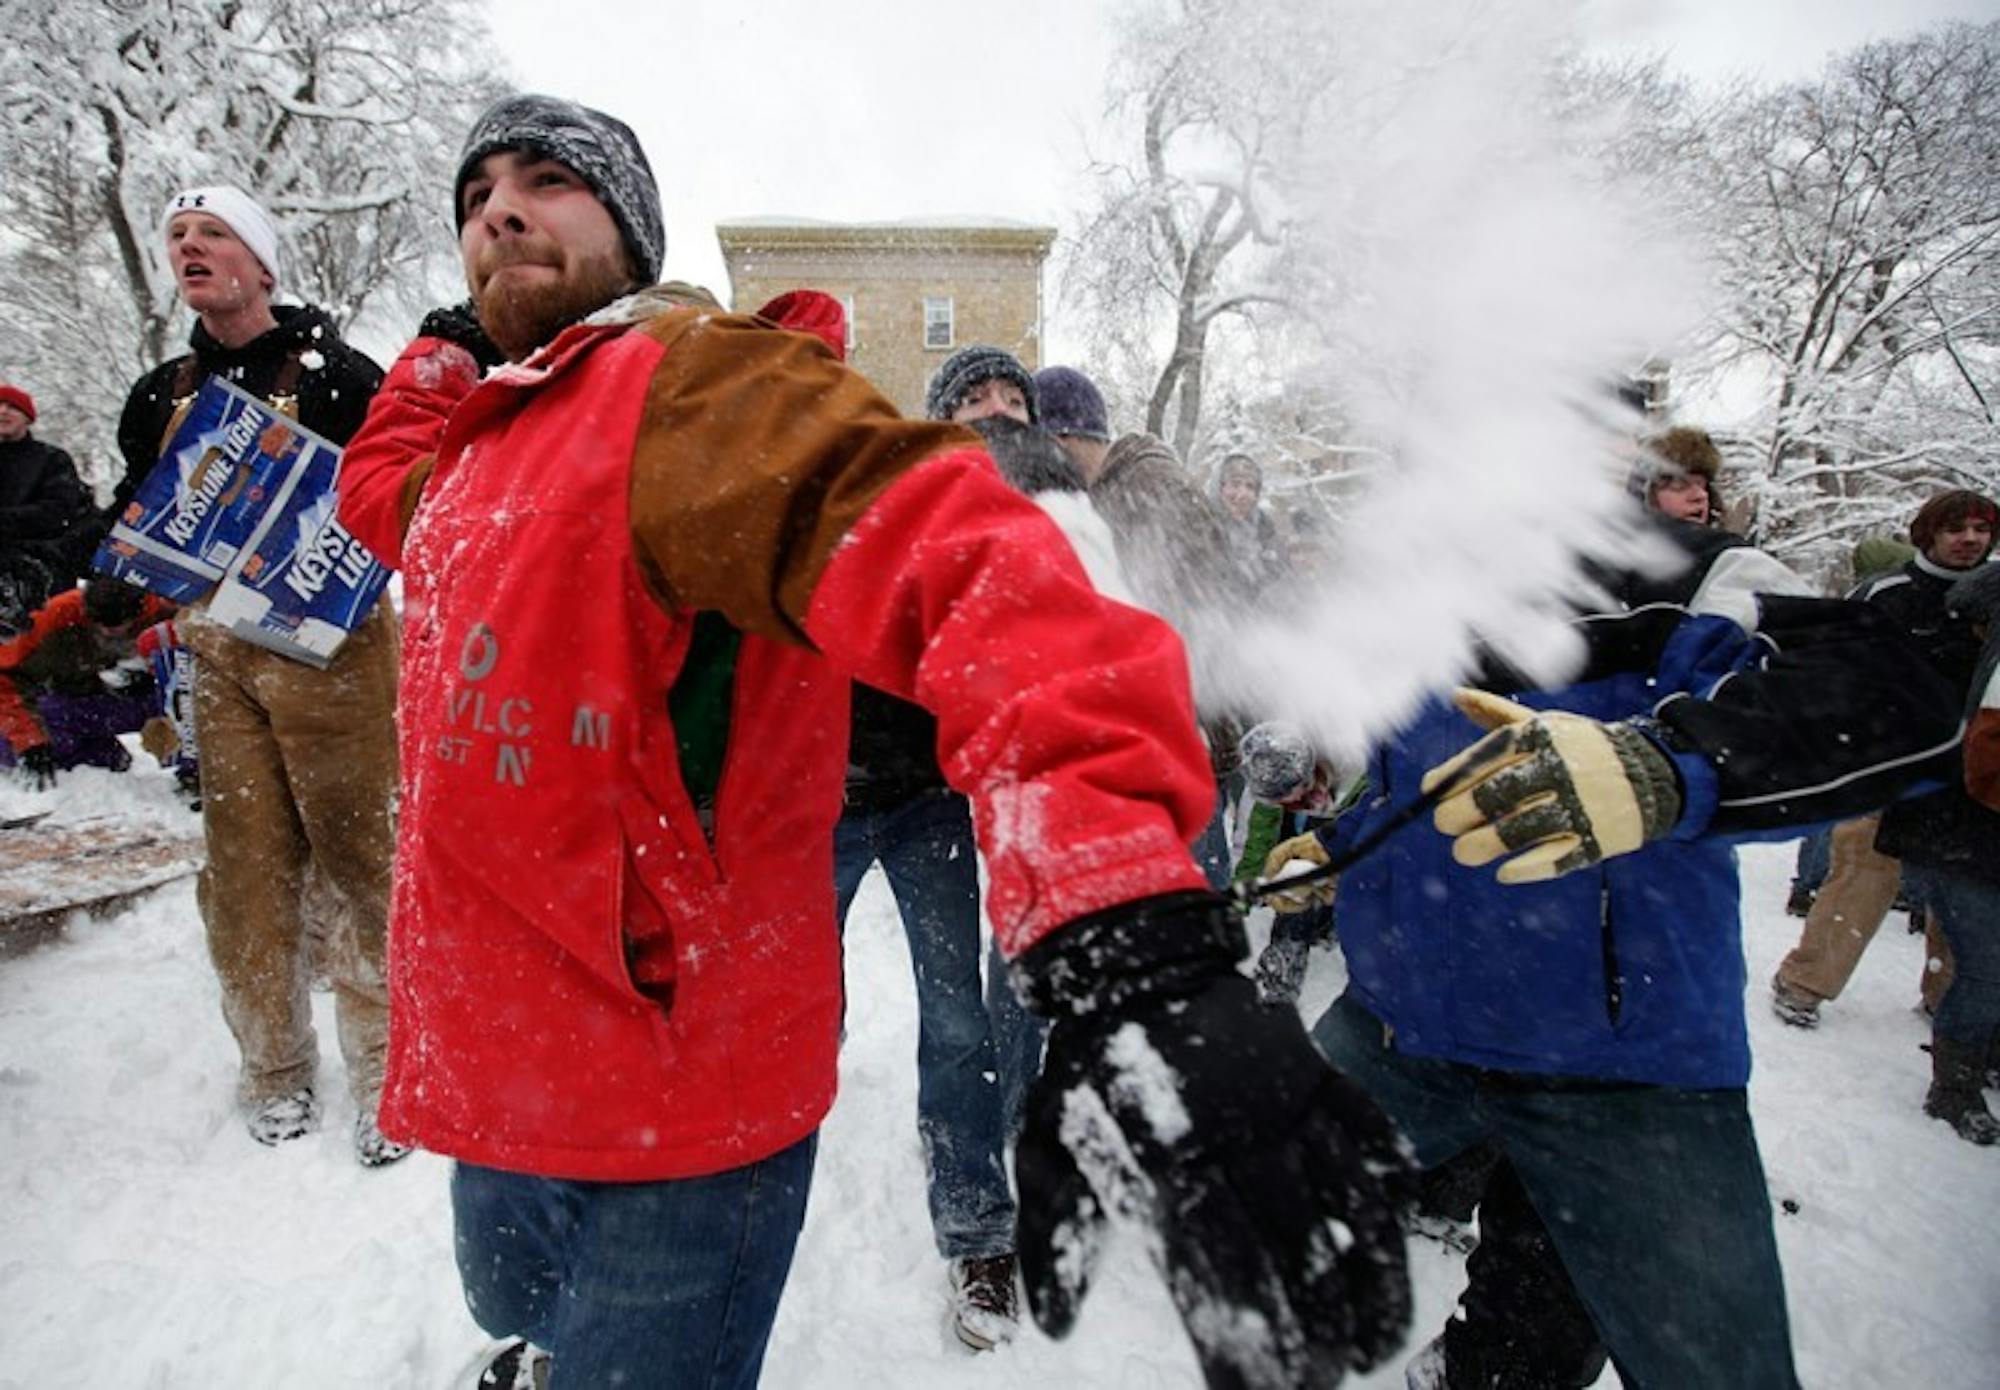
279	1118
984	1307
520	1365
1426	1370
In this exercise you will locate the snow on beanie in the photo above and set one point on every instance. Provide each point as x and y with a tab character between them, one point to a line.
1277	760
967	368
599	149
236	210
19	399
1071	404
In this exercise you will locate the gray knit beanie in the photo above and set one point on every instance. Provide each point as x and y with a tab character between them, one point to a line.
969	366
600	149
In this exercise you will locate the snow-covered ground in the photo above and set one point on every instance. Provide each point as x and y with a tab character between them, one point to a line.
149	1243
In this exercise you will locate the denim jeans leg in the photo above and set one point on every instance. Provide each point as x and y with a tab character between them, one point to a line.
646	1283
1211	847
510	1233
929	855
1430	1101
1018	1039
1655	1198
1968	913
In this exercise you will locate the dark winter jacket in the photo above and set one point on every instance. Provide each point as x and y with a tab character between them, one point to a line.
1948	829
41	497
588	978
330	386
1777	711
60	653
891	753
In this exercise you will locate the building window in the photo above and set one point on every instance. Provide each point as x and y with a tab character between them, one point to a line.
937	321
847	313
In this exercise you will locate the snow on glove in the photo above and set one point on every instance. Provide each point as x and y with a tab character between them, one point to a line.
1304	849
1557	792
1270	1183
459	323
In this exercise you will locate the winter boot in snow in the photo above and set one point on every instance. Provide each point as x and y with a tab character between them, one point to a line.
372	1148
1794	1006
1954	1096
1426	1370
983	1303
275	1119
520	1365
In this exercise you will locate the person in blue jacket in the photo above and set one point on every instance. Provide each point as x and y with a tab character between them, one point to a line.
1582	1009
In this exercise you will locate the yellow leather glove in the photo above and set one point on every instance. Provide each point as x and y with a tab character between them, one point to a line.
158	737
1557	792
1299	849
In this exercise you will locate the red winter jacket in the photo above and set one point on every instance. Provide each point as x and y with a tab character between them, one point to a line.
586	980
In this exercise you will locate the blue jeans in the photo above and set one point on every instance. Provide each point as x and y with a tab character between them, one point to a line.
1815	858
1653	1196
976	1047
1211	847
1968	913
639	1284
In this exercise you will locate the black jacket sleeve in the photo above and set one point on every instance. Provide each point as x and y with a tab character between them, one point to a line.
1839	718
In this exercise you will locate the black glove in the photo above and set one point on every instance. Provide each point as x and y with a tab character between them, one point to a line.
1272	1183
39	763
459	323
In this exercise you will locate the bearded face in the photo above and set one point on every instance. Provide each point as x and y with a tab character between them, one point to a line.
540	250
528	291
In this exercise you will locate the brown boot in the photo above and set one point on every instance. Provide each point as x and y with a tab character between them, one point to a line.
1956	1071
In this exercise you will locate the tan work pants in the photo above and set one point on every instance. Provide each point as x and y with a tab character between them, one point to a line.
298	765
1860	886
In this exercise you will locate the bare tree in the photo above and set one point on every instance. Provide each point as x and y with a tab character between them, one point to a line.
1857	225
1185	231
339	115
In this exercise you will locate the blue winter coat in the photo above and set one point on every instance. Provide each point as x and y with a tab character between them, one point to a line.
1777	712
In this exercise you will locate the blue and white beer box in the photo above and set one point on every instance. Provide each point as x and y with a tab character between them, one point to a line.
240	508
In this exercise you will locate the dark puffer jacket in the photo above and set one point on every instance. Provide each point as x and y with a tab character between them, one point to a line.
1948	829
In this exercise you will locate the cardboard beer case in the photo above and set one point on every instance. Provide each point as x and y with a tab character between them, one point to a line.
240	510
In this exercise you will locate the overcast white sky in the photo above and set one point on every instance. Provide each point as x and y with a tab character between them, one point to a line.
879	109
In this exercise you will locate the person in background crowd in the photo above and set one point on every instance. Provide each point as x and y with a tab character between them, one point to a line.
1953	534
44	510
1948	842
622	1019
1294	788
1584	1012
1173	550
1252	535
74	680
298	764
973	1039
1676	475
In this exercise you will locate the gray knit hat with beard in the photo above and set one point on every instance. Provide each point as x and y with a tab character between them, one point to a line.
600	149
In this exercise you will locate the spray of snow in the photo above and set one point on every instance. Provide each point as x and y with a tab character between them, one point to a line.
1478	290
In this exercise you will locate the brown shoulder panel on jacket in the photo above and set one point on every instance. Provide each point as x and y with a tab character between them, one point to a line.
757	452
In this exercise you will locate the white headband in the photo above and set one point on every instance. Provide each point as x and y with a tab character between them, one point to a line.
239	212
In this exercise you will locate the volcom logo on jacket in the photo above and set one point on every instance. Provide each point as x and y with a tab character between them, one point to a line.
482	716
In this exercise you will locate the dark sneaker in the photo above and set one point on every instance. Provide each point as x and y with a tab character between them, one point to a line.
984	1309
1800	902
520	1365
279	1118
372	1148
1794	1006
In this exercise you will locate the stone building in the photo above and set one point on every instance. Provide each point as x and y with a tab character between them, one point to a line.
914	291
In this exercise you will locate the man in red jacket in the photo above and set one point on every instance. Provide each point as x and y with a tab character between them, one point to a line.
642	563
